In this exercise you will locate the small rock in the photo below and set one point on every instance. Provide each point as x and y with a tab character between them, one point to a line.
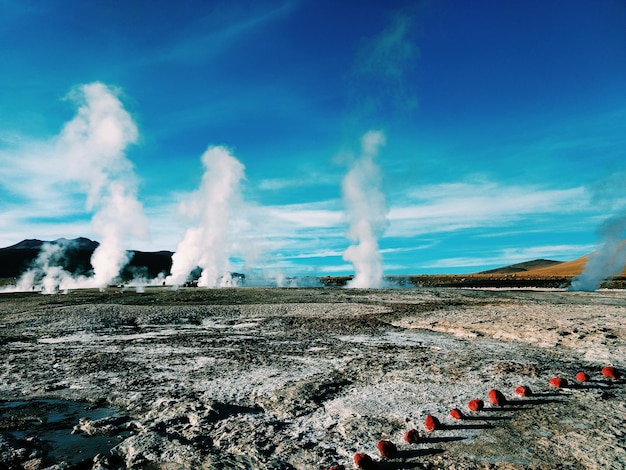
412	436
476	405
611	372
386	449
363	461
432	423
496	397
582	377
558	382
33	464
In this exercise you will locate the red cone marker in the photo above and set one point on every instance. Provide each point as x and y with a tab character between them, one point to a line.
412	436
523	391
611	372
476	405
496	397
432	423
582	377
456	413
558	382
363	461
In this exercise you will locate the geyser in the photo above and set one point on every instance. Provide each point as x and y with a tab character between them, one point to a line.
207	245
366	211
44	270
91	151
94	145
608	260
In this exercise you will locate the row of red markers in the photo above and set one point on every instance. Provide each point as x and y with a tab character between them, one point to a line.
388	449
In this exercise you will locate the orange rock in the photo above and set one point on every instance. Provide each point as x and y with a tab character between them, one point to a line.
386	449
611	372
496	397
432	423
582	377
476	405
558	382
412	436
364	462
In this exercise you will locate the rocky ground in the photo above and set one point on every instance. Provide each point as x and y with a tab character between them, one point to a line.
305	378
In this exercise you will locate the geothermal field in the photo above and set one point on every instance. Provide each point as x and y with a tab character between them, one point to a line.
305	378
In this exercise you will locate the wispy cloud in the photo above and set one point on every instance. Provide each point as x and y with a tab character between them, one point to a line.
389	53
214	33
312	179
300	216
456	206
36	194
382	68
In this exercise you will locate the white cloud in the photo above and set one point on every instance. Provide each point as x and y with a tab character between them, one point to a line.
457	206
313	215
214	33
312	179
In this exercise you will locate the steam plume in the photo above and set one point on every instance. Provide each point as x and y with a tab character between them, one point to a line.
366	211
44	271
207	245
90	152
93	145
608	260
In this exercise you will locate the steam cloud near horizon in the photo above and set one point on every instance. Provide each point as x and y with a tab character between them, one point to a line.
608	260
208	244
366	211
91	148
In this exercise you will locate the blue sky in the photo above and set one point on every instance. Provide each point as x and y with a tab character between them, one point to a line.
505	122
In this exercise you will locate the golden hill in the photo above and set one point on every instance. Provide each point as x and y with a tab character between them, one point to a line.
567	268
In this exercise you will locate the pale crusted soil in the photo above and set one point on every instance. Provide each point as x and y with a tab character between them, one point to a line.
304	378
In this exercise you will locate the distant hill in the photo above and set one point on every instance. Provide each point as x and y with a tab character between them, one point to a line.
567	268
80	243
16	259
523	267
542	268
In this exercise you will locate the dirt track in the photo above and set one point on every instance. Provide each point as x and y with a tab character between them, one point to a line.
304	378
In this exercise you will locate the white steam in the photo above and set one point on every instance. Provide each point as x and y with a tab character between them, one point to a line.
608	260
93	145
209	244
90	152
366	210
44	271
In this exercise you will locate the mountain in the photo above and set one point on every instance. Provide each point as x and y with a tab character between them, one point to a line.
546	268
80	243
16	259
28	244
567	268
523	267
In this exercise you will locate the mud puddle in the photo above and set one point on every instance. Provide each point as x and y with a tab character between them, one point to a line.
47	430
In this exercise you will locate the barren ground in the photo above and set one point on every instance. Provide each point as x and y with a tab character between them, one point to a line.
305	378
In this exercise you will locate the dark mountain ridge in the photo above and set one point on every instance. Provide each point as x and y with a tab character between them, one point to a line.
17	259
80	243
